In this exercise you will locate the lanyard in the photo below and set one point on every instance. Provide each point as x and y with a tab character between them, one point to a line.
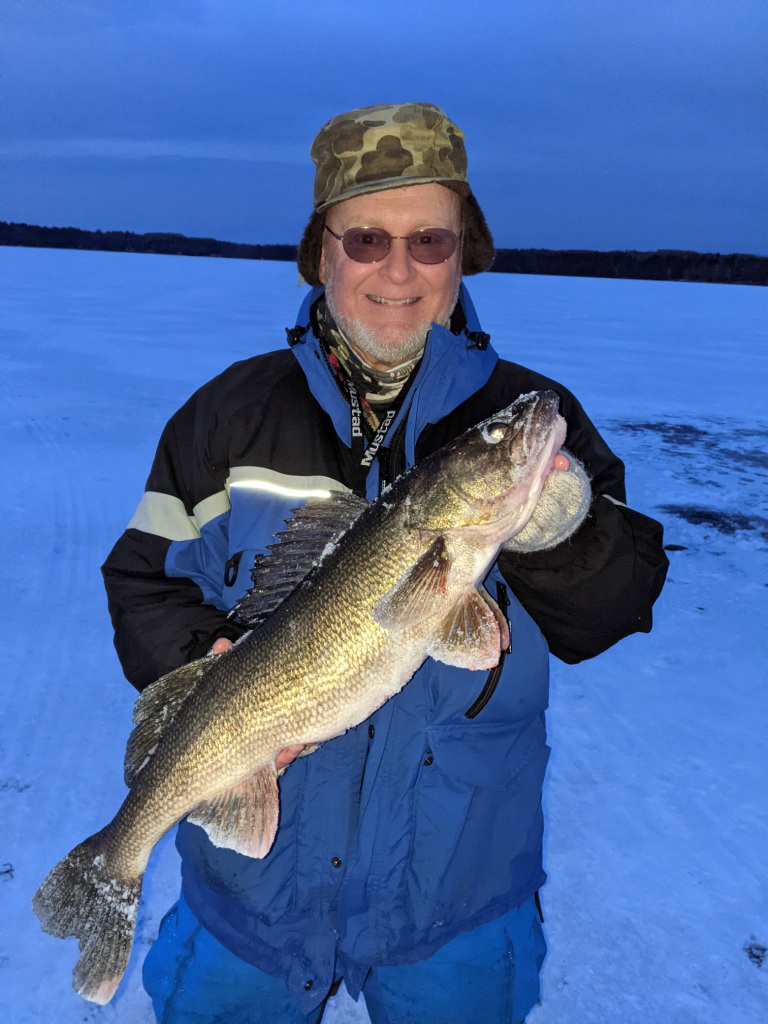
362	455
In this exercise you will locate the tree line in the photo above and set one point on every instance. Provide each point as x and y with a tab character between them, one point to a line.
661	265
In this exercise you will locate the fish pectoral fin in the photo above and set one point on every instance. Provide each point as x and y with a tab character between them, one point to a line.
472	635
155	709
244	818
420	593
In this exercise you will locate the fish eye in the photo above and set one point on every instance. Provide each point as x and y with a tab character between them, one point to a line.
495	432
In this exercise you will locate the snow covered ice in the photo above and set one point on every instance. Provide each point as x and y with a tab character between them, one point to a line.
657	816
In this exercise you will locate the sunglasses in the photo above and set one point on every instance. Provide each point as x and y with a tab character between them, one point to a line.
369	245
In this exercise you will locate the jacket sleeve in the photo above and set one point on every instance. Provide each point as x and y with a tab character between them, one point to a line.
162	617
600	584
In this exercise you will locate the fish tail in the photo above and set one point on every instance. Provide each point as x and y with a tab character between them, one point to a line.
83	896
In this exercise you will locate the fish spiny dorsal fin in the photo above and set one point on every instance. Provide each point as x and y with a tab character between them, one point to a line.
244	818
155	709
471	635
420	593
307	536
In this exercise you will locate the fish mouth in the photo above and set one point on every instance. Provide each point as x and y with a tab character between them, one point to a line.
544	417
549	407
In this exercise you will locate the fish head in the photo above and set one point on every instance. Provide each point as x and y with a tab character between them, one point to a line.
491	476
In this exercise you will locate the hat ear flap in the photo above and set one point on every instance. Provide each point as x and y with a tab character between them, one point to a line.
477	250
310	250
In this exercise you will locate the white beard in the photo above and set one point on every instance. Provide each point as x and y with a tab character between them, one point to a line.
389	347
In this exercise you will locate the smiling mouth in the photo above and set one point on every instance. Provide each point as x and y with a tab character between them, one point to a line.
392	302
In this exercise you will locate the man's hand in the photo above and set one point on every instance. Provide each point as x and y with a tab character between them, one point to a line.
285	757
560	510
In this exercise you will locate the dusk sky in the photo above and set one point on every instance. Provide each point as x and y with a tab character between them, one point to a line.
605	124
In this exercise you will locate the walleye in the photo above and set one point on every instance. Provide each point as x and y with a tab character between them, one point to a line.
393	582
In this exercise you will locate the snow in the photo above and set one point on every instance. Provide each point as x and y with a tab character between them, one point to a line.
656	906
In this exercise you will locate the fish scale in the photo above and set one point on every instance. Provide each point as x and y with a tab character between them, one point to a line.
401	583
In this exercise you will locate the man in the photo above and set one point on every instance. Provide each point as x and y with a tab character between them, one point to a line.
408	857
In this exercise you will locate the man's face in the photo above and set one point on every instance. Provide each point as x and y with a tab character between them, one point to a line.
385	309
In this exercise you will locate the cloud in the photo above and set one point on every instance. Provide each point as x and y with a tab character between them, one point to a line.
576	104
148	148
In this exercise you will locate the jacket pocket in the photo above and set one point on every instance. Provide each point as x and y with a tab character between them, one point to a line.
476	838
492	754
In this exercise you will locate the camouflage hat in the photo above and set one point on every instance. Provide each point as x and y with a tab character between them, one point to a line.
392	145
388	145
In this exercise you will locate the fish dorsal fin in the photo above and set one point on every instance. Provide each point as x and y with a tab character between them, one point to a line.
314	527
155	709
472	635
244	818
418	594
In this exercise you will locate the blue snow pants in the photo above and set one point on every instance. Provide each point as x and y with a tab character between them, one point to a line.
486	976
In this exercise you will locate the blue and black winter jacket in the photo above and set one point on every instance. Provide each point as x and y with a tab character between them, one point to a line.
420	823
